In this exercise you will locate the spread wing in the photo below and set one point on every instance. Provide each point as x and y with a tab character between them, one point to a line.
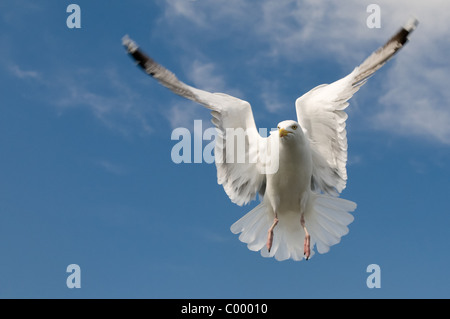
238	143
321	114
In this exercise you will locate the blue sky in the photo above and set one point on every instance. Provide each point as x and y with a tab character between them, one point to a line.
86	175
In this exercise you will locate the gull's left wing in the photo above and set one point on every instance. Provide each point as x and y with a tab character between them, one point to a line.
321	114
239	147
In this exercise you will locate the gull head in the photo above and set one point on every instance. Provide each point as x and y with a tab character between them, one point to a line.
288	130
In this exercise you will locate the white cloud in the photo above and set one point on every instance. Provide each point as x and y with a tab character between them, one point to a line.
417	99
413	99
209	14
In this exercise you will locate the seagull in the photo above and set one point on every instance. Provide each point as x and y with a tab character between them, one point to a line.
299	170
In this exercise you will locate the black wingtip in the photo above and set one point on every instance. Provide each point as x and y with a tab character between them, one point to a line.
402	35
143	60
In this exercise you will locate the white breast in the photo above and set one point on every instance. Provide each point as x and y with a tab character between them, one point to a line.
289	187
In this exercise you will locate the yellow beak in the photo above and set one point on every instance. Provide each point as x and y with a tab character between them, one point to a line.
283	132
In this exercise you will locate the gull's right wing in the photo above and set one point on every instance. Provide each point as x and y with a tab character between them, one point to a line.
321	114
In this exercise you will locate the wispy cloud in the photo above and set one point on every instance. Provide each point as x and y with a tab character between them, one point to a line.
184	113
111	167
205	76
270	96
24	74
215	237
101	91
354	159
115	108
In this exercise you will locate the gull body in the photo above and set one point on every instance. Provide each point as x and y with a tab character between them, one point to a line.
288	190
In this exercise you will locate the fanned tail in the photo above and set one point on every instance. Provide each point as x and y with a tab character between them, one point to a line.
326	219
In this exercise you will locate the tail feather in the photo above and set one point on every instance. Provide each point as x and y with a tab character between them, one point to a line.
335	229
320	236
260	239
295	240
253	226
326	220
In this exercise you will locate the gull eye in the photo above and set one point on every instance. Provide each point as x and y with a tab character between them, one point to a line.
294	127
278	127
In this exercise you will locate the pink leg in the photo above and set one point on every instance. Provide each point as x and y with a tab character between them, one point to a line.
270	233
306	243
